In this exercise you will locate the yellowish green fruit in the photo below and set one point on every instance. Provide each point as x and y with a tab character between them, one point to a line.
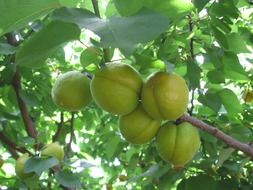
20	166
177	144
138	127
248	96
116	88
71	91
54	149
123	177
165	96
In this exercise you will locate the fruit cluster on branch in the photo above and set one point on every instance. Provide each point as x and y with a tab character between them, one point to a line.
142	107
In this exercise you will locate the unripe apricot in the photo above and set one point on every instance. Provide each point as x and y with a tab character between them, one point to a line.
165	96
54	149
177	144
71	91
20	167
138	127
116	88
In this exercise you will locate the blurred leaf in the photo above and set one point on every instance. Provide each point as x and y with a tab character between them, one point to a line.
38	165
230	101
90	56
200	4
220	37
111	147
150	172
22	12
116	32
193	73
237	43
224	154
68	179
41	45
29	98
211	100
7	49
174	9
224	8
215	76
197	182
232	67
128	7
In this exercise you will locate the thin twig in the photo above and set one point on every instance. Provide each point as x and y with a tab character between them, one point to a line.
59	128
95	7
190	23
228	140
72	135
190	110
105	50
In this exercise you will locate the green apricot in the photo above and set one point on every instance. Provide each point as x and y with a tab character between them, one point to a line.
165	96
54	149
20	167
177	144
116	88
71	91
138	127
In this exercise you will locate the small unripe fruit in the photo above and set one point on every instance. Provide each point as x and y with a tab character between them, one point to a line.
248	96
54	149
116	88
165	96
122	177
177	144
138	127
71	91
20	166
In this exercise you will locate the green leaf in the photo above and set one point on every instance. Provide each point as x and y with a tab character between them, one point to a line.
41	45
198	182
68	179
200	4
123	33
128	7
215	76
237	43
224	8
15	14
38	165
230	101
111	147
29	98
90	56
224	154
193	73
220	37
232	67
7	49
173	9
211	100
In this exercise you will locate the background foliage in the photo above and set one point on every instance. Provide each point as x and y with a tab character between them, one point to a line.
209	43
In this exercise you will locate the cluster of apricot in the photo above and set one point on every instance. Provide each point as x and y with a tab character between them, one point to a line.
142	106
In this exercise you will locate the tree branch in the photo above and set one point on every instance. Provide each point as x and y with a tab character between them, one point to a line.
72	134
12	146
230	141
29	126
